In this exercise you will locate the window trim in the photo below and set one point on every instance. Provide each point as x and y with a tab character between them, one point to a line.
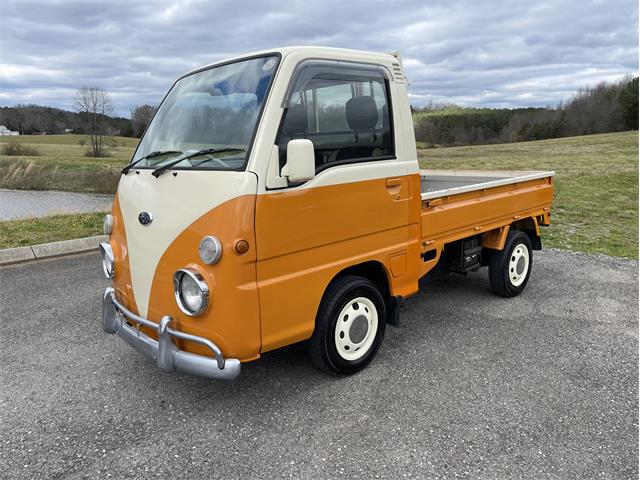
350	161
340	70
310	67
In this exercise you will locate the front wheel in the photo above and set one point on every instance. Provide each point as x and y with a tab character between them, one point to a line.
350	326
509	269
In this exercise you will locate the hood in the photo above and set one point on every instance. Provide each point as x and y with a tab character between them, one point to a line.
174	201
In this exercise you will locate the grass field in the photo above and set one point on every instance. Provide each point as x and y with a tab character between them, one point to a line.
595	209
62	164
21	233
596	203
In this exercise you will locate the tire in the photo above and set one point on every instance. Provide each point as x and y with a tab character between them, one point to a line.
509	269
350	326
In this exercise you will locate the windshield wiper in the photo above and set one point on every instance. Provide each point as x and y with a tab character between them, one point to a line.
157	153
207	151
219	150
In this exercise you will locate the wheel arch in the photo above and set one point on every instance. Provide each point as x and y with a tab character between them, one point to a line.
532	229
495	239
376	272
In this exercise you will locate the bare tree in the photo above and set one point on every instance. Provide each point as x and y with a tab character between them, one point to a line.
141	117
95	103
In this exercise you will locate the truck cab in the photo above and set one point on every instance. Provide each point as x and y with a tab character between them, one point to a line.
277	198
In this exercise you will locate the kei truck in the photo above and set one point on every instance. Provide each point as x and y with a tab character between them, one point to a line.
277	198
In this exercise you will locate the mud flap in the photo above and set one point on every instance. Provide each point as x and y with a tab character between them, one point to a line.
393	311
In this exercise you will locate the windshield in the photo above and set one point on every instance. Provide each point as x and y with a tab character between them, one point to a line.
209	118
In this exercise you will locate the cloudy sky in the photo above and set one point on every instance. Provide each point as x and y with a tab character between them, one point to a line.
478	53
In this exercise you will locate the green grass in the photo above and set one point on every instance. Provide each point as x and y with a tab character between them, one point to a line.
596	185
20	233
61	164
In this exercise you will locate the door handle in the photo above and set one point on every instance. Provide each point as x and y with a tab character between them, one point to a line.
394	185
394	182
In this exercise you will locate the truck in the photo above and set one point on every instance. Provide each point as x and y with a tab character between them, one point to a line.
277	198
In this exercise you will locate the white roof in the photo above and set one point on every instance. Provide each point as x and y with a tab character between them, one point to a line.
315	52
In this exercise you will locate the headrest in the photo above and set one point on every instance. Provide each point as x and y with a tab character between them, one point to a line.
362	113
296	121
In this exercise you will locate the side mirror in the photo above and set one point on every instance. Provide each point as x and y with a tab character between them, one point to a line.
301	161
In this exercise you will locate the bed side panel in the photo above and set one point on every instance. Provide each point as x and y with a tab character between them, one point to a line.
458	216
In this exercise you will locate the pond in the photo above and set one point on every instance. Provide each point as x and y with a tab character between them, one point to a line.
20	204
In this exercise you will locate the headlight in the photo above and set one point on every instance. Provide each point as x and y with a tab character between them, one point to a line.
108	265
107	224
210	250
191	291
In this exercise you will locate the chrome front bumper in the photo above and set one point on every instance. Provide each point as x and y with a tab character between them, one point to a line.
163	351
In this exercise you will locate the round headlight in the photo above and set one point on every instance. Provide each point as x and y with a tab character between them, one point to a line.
107	224
210	250
108	264
191	291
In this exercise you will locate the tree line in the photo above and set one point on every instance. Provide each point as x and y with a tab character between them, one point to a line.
38	120
608	107
93	117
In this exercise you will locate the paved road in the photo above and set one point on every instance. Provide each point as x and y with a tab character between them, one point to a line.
471	386
17	204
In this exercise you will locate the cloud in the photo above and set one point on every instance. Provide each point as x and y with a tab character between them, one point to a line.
478	53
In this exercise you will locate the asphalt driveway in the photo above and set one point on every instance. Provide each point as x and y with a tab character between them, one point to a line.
471	386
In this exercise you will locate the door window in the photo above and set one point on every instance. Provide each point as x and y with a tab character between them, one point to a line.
347	117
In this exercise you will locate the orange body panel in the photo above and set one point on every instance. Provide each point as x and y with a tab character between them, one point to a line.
122	277
496	238
461	214
232	319
306	237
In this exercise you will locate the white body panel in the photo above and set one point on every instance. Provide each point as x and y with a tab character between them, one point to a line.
406	159
174	202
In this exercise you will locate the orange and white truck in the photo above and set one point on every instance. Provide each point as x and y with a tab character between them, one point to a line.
277	198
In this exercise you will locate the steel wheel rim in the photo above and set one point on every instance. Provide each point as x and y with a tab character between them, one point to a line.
518	264
356	328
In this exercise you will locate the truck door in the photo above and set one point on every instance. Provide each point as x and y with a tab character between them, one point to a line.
355	209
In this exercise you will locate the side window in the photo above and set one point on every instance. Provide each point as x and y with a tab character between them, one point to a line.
345	116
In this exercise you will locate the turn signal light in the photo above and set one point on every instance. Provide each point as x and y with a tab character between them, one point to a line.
242	247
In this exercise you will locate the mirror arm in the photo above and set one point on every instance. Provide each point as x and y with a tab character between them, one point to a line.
275	179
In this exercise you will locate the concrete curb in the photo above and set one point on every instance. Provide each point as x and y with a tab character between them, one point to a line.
11	256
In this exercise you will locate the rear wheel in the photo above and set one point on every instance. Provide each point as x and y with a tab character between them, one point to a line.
350	326
509	269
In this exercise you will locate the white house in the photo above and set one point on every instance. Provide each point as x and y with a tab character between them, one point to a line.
5	131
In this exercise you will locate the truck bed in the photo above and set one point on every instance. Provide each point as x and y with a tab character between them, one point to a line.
442	183
459	204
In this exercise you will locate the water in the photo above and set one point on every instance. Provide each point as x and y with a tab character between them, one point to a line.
19	204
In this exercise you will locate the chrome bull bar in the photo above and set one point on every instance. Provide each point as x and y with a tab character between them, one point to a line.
164	351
